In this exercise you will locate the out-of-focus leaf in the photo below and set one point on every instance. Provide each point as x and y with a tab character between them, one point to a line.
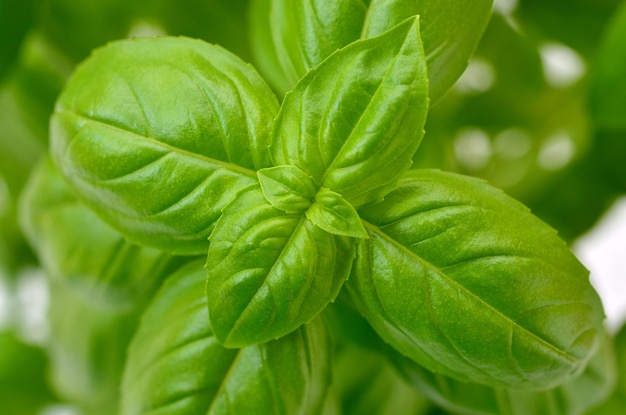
456	274
158	135
87	349
367	384
77	27
16	18
23	390
78	249
222	22
609	84
176	366
575	397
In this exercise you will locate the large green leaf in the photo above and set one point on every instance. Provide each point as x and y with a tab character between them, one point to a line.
465	281
354	131
157	135
77	248
269	272
290	38
177	366
575	397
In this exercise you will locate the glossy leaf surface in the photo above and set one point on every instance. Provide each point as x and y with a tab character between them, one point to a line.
77	248
158	143
575	397
178	367
268	272
355	131
465	281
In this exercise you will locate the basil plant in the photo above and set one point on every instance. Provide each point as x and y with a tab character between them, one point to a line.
245	235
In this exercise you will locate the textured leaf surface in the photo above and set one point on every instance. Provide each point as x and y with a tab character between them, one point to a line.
77	248
158	134
178	367
353	130
268	272
466	282
575	397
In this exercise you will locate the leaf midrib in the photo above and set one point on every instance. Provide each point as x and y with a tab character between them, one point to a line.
563	354
156	143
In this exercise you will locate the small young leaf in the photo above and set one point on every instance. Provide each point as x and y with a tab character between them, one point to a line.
157	135
468	283
268	272
176	365
76	248
334	215
572	398
353	130
287	188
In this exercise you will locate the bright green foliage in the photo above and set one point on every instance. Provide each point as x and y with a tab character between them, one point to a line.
78	249
208	134
216	246
499	290
178	367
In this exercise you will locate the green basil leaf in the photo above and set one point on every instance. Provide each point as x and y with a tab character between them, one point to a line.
353	130
468	283
450	31
77	248
268	273
304	33
177	366
87	349
157	135
334	215
287	188
572	398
